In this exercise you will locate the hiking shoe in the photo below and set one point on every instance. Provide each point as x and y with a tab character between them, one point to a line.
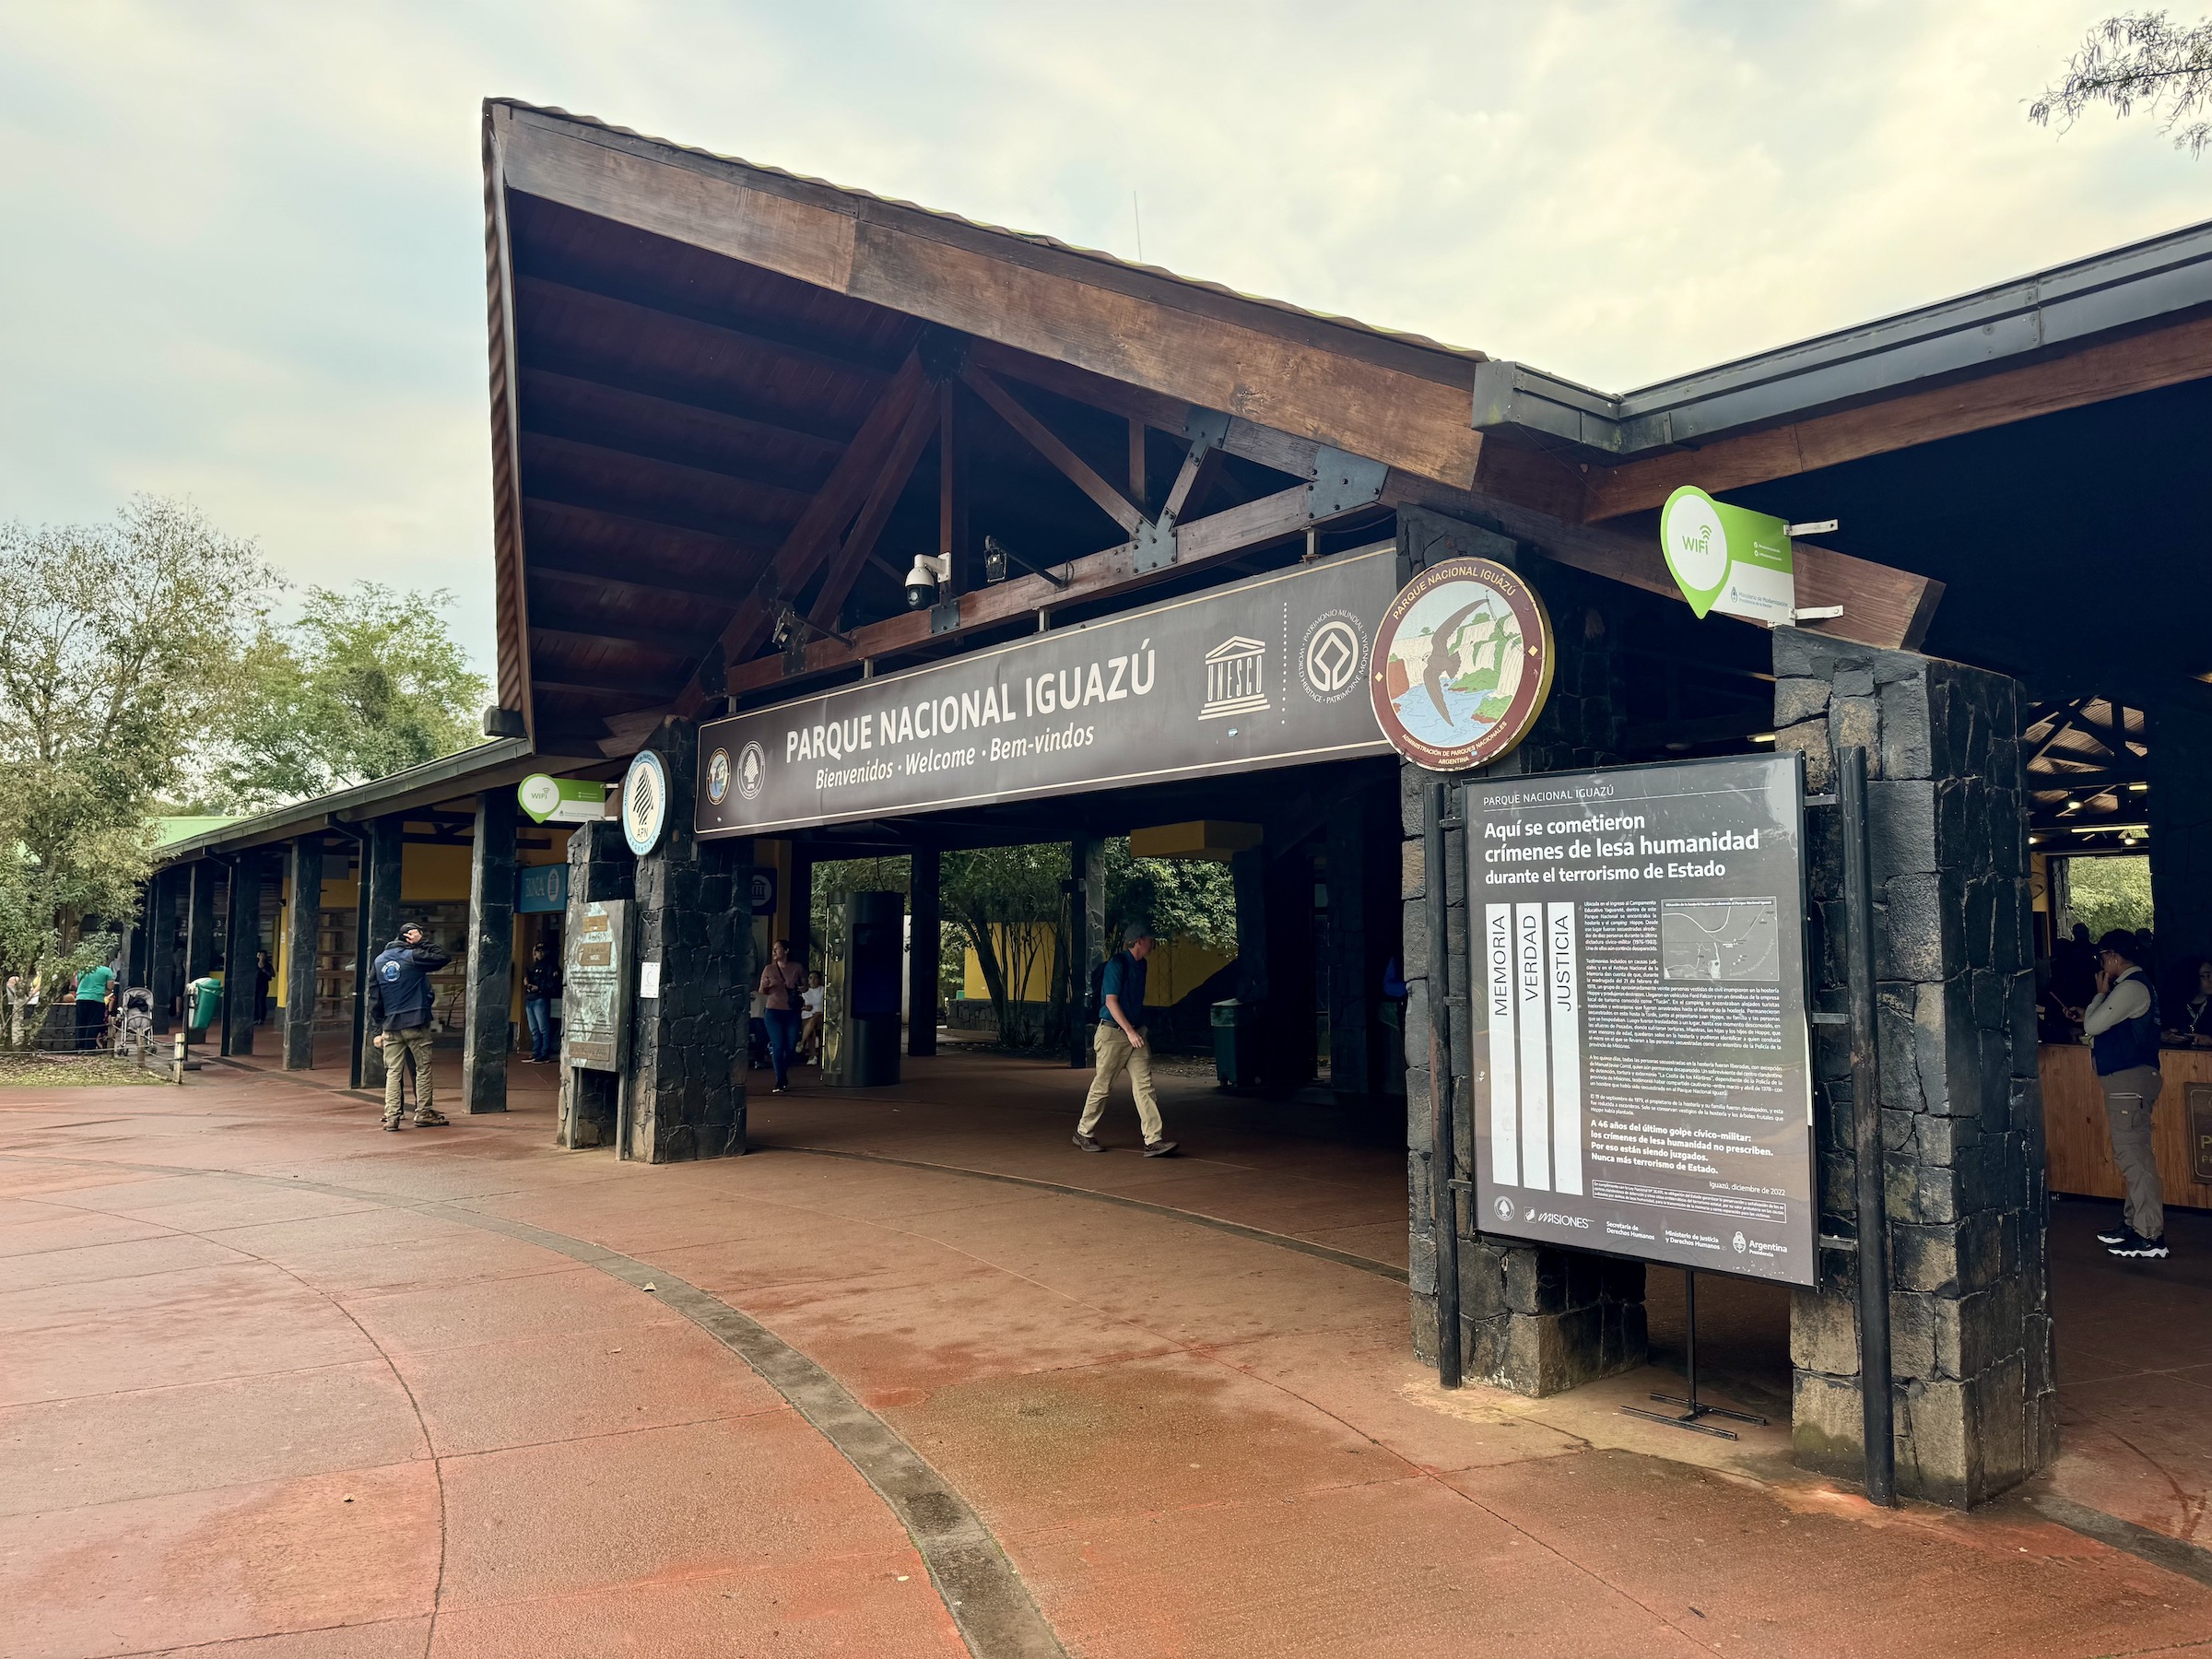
392	1124
1160	1148
2136	1247
1088	1142
2117	1233
429	1119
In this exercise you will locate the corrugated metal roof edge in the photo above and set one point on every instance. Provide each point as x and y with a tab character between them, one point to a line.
462	773
1465	354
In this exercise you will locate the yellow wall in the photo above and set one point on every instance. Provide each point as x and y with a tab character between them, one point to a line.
1175	969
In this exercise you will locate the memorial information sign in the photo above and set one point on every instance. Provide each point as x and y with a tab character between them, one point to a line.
1643	1073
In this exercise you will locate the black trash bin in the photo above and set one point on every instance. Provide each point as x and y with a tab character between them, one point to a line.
1236	1044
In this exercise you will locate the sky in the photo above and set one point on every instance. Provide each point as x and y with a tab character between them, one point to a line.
242	254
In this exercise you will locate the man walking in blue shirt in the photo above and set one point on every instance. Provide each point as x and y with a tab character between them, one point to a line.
1120	1045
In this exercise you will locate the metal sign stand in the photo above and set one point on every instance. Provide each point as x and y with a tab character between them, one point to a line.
1692	1419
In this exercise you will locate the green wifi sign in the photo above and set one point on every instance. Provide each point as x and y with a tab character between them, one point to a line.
1728	559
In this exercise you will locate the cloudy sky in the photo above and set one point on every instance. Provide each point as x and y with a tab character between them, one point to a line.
243	247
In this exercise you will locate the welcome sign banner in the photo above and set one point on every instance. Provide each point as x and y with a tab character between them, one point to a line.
1265	673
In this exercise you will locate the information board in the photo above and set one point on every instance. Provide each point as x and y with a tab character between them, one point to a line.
594	1005
1643	1080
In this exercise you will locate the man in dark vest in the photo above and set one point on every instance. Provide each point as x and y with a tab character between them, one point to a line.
2120	1027
399	1001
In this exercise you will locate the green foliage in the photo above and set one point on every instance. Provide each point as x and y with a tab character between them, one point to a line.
1178	898
2105	893
2138	58
366	683
117	642
832	882
1006	903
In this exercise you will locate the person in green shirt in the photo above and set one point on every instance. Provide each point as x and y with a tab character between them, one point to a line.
92	990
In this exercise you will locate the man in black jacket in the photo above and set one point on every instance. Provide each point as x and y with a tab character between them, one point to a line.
399	1001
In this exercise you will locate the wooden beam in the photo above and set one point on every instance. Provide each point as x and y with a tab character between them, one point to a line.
810	540
1890	609
753	333
587	510
588	574
1397	401
860	542
1204	541
2142	362
1046	443
606	686
741	418
565	629
603	448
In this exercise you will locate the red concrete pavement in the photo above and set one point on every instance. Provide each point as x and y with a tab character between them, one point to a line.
272	1383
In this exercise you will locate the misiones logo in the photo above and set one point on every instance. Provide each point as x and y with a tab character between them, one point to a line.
1330	658
752	770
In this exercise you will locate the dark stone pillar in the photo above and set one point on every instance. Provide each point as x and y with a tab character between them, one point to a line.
161	944
136	940
1351	989
802	903
301	926
1533	1319
686	1079
1970	1349
1289	1037
242	946
2181	845
1247	877
601	871
925	948
1088	944
199	931
380	914
487	1026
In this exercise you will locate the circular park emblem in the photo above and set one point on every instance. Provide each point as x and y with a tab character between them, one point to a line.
1461	665
644	802
718	776
752	770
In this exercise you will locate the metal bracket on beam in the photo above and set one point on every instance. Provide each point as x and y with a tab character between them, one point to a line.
1153	547
1342	482
945	615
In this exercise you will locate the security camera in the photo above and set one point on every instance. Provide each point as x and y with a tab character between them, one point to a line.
923	581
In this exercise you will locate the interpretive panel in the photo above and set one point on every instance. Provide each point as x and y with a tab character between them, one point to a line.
596	988
1268	671
1642	1061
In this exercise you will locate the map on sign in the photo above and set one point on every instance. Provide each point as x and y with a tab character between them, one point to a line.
1720	939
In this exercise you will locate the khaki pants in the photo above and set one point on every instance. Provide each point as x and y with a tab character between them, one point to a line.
398	1045
1115	1055
2128	1098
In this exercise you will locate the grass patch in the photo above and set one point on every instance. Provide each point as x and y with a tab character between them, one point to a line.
33	1070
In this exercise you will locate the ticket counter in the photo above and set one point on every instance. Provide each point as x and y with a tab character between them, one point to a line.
2080	1147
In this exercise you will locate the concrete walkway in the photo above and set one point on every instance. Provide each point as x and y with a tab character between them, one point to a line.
274	1384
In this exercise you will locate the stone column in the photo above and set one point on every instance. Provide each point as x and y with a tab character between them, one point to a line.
2181	843
1088	944
687	1079
301	926
161	943
199	920
802	902
242	945
925	948
1970	1348
1533	1319
1286	1019
601	871
381	848
488	1001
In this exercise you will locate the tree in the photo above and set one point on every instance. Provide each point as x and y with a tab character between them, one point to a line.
117	642
2139	58
1005	902
366	683
2109	892
1191	898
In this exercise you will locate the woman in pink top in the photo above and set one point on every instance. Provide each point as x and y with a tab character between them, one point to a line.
782	984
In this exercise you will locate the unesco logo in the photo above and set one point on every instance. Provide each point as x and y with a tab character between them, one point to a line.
1335	646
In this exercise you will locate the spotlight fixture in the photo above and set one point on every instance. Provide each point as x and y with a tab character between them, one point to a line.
997	557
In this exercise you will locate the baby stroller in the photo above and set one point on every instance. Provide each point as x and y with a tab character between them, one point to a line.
131	1029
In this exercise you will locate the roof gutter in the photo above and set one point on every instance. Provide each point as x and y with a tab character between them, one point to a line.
2140	286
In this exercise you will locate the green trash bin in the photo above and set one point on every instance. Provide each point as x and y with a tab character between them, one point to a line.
1236	1041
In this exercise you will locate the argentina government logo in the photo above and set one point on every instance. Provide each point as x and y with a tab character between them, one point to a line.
1331	656
1461	666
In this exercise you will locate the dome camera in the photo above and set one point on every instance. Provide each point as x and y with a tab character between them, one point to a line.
923	581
